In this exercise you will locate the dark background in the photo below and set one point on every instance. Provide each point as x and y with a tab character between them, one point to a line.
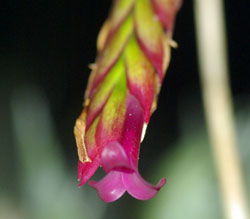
50	43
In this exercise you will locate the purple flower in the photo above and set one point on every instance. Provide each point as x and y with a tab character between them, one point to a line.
120	161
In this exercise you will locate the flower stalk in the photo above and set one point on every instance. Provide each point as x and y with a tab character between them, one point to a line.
211	41
133	55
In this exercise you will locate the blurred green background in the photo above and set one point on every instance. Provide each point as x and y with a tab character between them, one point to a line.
45	48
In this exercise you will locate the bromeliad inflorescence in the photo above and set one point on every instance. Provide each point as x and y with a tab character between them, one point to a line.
133	55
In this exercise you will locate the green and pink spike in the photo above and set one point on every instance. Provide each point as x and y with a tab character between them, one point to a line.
133	55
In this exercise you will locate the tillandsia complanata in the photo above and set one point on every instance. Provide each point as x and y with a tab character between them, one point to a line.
133	55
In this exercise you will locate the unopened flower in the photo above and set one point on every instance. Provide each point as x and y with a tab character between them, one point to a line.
133	55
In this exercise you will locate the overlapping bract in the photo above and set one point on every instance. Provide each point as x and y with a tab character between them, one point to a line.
133	54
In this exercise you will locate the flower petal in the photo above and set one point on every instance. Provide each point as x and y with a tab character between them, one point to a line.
103	91
113	114
132	130
120	11
111	187
141	76
149	32
114	157
137	187
111	53
166	11
87	170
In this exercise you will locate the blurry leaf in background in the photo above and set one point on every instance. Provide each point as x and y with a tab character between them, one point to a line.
243	133
191	189
47	187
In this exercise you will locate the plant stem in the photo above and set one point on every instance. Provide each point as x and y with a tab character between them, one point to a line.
210	31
